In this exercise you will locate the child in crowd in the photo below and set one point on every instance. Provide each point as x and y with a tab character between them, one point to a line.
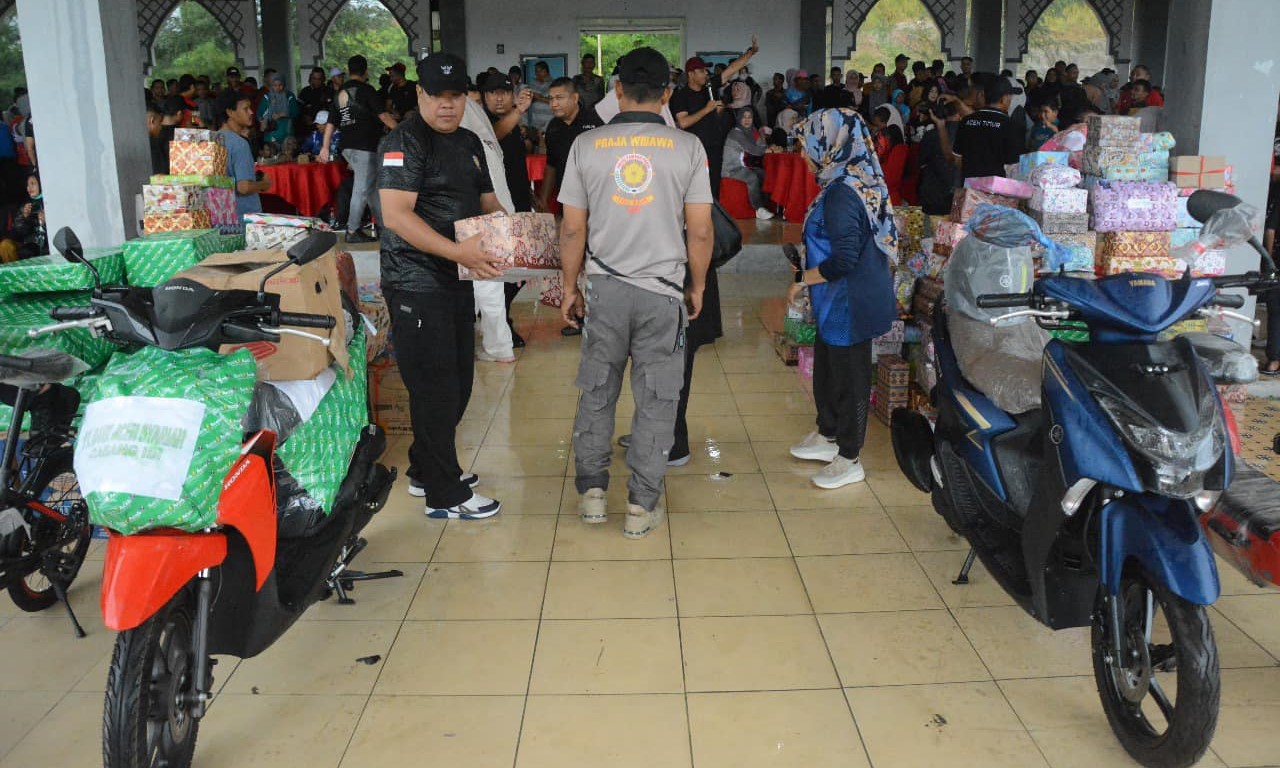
1139	92
28	237
1046	127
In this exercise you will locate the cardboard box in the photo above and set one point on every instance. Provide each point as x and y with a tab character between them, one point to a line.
390	399
526	244
1198	171
198	158
312	288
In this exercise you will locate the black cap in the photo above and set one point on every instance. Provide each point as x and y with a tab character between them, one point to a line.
233	71
442	72
494	82
644	66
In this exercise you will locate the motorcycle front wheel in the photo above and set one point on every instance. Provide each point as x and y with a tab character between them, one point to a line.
1161	699
147	721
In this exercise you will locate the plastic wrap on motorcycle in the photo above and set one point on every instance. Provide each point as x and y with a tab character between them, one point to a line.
1165	537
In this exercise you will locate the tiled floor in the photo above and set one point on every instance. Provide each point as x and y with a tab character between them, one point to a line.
767	624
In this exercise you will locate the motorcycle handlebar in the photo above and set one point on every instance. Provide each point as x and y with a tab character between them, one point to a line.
73	313
303	320
1002	300
1228	300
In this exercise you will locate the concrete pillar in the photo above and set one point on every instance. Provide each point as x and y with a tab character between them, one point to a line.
1221	82
94	153
1150	35
813	37
277	42
985	35
453	29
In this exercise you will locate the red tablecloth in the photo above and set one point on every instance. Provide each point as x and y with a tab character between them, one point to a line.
536	165
789	183
307	187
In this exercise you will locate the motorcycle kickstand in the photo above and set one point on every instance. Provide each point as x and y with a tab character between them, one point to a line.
343	580
963	578
61	591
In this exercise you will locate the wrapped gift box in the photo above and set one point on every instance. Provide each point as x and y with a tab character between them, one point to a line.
1060	200
1164	266
1132	245
50	273
171	198
19	314
1051	176
1129	206
1113	131
221	205
269	231
222	182
152	259
932	222
1082	249
1199	171
1151	142
949	234
897	333
524	243
1209	264
903	287
1125	164
199	158
911	227
195	134
1053	224
999	185
1032	160
1184	219
230	242
1183	236
175	222
967	199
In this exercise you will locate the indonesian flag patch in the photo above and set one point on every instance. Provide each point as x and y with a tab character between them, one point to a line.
393	160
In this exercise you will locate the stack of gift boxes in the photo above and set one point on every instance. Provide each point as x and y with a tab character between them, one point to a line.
196	193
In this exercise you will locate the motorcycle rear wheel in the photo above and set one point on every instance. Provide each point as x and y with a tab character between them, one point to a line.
1171	650
147	721
34	592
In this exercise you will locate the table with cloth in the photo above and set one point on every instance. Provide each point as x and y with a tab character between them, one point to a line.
789	183
309	187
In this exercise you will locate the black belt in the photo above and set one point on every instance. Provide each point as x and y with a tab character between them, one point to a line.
616	273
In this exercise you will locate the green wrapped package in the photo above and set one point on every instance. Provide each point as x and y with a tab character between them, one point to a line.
152	259
1078	333
222	182
230	243
118	437
49	273
799	331
318	453
18	314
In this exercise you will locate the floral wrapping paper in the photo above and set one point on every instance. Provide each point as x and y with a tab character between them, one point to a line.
917	264
525	243
1152	142
1081	249
1054	224
1184	219
221	205
1032	160
1113	131
1209	264
270	231
999	185
911	227
198	158
968	199
1183	236
1132	245
171	198
948	236
1125	164
196	134
223	182
932	222
280	220
175	222
904	286
1051	176
1134	206
1060	200
1164	266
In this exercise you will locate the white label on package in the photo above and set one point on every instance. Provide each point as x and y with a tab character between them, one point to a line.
138	445
1140	204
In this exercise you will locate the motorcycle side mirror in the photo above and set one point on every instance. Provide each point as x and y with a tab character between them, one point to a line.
1204	203
69	246
304	252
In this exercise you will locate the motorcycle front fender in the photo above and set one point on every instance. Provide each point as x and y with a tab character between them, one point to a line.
1164	536
142	572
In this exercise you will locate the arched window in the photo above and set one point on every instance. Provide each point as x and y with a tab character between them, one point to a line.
191	41
12	73
1070	31
368	28
893	27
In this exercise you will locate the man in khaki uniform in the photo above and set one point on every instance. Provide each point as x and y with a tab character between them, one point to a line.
631	189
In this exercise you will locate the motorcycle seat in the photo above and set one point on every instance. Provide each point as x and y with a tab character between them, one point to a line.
1253	500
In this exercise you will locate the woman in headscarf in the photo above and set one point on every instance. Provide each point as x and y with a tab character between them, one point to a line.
744	150
853	82
890	145
850	244
277	112
797	95
899	100
877	90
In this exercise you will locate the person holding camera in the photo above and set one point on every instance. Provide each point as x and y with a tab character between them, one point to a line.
939	177
986	141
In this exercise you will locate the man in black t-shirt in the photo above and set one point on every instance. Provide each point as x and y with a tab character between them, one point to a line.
314	98
432	173
698	109
361	116
402	94
986	141
505	112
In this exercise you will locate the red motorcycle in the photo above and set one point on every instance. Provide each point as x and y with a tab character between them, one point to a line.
235	587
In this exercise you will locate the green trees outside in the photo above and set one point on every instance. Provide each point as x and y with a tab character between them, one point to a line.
367	28
192	41
893	27
614	46
1068	30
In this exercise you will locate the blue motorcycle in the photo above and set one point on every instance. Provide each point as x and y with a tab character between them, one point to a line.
1085	509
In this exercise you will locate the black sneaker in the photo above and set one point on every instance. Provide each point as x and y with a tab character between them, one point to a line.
517	341
360	238
569	330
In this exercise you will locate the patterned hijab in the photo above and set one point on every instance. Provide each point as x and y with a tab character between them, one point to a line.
839	143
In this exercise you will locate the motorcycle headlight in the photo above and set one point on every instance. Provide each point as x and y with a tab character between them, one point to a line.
1179	460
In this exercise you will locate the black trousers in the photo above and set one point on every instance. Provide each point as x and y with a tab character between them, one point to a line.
680	447
842	391
434	337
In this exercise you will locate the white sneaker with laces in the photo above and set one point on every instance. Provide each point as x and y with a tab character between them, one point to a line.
815	447
764	214
839	473
475	508
592	507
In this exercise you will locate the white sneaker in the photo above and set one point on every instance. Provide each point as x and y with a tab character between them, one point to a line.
764	214
592	506
475	508
839	473
815	447
640	523
485	357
